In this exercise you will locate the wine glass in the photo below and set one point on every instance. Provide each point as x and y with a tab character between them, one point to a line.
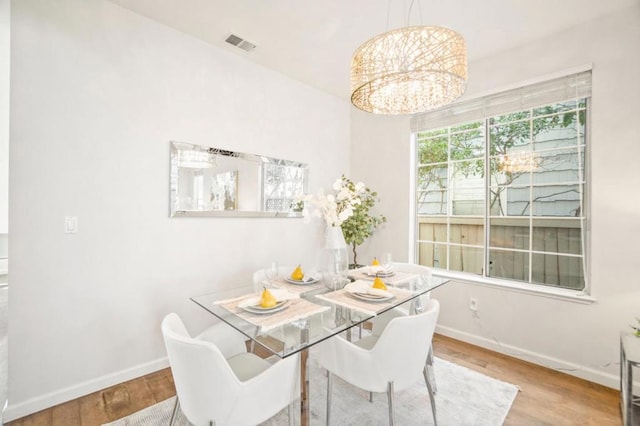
386	262
271	273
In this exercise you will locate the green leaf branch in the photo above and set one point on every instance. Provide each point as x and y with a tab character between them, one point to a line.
363	222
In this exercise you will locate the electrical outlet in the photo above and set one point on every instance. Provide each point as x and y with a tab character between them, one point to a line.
473	304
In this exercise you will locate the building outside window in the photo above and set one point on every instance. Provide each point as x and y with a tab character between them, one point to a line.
500	190
282	184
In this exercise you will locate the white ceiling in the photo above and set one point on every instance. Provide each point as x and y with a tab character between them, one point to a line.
312	41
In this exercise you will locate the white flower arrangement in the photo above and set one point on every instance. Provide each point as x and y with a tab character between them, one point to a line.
334	208
349	210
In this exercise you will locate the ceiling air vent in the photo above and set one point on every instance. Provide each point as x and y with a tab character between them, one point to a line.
240	43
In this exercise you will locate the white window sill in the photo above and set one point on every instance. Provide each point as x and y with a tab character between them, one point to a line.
574	296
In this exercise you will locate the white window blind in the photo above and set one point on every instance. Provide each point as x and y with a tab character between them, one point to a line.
564	88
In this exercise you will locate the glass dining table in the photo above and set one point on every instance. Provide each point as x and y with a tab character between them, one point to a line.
310	312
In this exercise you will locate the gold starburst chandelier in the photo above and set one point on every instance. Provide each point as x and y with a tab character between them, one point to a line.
409	70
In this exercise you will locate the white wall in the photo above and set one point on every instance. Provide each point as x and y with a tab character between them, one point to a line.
380	158
4	124
577	338
97	93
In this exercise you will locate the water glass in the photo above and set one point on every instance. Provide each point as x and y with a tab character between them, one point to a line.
271	272
386	261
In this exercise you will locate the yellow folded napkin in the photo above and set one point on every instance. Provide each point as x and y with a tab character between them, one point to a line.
279	294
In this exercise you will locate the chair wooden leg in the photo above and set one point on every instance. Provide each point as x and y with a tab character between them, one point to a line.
174	412
432	397
328	398
370	396
390	395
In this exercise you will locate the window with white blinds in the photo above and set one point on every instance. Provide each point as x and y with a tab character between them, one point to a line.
501	188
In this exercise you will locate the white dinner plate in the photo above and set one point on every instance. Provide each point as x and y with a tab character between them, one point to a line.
313	280
380	274
257	309
371	271
371	297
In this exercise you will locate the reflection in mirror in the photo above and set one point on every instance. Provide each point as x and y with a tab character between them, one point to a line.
207	181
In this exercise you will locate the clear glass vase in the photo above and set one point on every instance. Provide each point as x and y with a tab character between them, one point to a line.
335	259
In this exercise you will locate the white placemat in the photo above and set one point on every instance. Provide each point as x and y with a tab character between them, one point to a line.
296	309
344	298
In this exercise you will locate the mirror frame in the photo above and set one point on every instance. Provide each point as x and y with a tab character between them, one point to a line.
260	160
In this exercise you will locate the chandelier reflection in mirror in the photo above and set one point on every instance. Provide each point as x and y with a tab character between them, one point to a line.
409	70
197	158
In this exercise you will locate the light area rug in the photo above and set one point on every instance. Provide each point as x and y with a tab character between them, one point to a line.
464	397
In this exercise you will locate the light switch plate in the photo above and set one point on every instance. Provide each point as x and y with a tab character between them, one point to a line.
71	224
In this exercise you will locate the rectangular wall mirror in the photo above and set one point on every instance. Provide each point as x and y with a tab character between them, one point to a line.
208	181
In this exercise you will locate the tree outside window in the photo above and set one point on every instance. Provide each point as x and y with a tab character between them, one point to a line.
529	186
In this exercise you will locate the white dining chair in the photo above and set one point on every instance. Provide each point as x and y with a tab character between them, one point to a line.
387	362
379	323
219	383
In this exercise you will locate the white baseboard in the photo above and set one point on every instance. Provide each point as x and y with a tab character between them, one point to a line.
583	372
16	411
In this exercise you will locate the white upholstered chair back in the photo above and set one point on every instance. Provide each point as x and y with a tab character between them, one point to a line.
398	356
227	388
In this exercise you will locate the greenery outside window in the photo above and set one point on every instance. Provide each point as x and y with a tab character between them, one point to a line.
504	195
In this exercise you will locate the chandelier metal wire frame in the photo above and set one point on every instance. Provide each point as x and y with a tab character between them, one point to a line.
409	70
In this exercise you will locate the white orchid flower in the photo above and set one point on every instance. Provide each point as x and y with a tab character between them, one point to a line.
345	214
344	194
331	217
335	207
337	184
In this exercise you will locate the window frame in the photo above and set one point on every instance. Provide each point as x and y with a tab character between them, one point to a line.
583	295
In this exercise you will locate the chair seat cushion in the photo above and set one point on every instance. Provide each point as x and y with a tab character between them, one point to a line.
247	365
367	342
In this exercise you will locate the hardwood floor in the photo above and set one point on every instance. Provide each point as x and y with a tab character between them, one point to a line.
106	405
546	397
